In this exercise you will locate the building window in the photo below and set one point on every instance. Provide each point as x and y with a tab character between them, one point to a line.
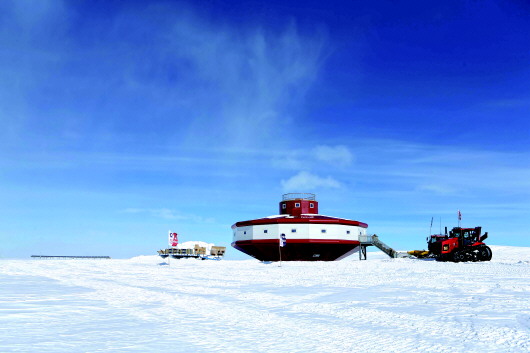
284	206
265	231
297	204
293	230
311	205
323	231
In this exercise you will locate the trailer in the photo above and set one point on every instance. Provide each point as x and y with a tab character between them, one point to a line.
197	252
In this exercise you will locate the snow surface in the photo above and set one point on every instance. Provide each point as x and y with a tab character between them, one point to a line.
378	305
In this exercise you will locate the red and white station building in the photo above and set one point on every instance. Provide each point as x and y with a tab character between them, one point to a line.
309	235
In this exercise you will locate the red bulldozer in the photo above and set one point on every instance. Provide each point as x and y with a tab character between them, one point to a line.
461	244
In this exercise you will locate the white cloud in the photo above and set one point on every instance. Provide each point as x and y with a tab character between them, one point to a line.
443	170
339	156
203	80
294	160
243	81
436	188
306	181
167	213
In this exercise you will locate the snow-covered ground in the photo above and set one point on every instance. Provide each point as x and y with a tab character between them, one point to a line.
379	305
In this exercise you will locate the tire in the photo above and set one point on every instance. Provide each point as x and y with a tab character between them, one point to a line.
466	256
462	256
470	255
459	256
474	256
484	253
455	257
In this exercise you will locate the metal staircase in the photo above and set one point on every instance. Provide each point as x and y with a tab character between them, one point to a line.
368	240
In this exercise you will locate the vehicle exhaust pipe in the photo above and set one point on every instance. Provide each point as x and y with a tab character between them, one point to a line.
482	238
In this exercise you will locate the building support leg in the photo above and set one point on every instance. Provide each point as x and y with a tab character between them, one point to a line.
362	252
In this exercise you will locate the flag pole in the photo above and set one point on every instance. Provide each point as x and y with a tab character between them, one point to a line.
280	250
281	244
430	229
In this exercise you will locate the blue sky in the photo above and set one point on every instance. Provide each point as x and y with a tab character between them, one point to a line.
121	120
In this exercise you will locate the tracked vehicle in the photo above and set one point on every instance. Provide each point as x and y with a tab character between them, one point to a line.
461	244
